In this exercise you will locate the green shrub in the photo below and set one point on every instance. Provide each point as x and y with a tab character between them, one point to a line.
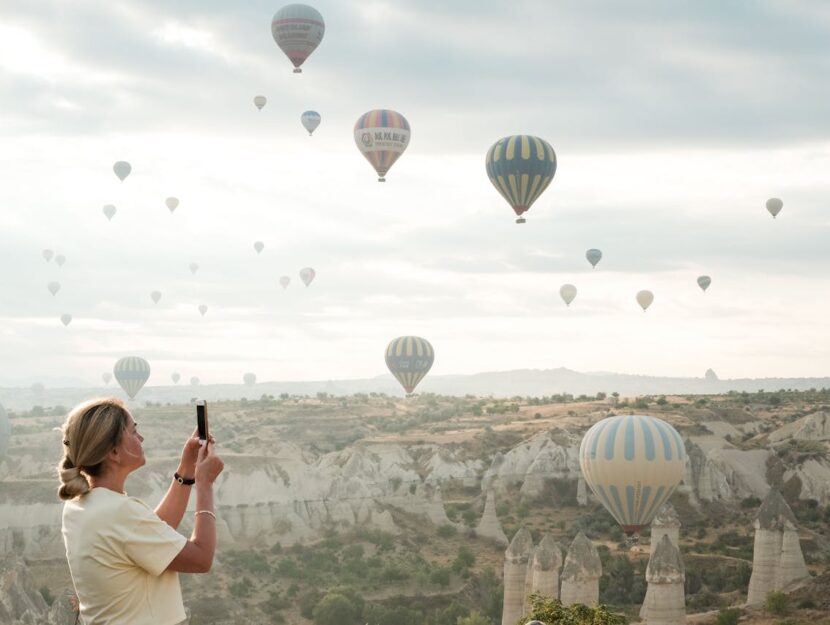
777	603
447	531
728	616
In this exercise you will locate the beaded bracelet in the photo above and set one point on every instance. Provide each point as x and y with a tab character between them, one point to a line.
204	512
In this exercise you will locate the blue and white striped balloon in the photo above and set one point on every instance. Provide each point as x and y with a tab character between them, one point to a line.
131	373
633	464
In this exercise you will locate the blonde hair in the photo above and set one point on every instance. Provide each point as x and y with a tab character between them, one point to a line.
90	432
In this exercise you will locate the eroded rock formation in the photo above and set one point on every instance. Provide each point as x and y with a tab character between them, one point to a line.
515	571
581	573
665	602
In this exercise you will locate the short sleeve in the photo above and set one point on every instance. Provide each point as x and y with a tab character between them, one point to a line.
148	541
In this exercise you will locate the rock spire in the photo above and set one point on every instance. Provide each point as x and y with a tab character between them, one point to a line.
581	573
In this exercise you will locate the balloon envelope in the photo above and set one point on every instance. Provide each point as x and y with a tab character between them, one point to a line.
307	275
285	281
409	358
202	309
53	287
172	203
298	29
193	267
194	380
259	246
175	377
60	259
249	379
520	167
593	256
47	255
66	319
568	293
645	298
633	464
109	211
381	136
310	121
106	377
155	296
774	206
259	101
122	169
131	372
703	282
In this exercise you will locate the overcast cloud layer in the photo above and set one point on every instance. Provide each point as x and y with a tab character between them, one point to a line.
672	125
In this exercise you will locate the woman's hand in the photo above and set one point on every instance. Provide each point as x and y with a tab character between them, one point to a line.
208	464
190	454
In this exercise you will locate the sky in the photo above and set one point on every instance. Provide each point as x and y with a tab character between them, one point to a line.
673	123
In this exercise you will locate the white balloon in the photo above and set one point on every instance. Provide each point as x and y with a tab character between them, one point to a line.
54	287
194	380
285	281
307	275
47	254
249	379
175	377
155	296
259	101
568	293
122	169
66	319
202	309
109	211
60	259
106	377
310	121
644	299
594	256
259	246
194	267
172	203
774	206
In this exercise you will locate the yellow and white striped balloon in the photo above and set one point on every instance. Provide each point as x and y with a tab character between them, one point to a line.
409	358
131	372
633	464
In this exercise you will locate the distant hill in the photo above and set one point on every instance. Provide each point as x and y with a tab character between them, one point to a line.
525	382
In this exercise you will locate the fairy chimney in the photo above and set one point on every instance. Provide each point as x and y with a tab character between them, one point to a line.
489	525
547	563
581	573
665	523
515	570
665	602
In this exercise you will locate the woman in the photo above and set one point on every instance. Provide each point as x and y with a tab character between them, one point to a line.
125	557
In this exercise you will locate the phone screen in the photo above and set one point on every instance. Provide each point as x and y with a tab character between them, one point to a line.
202	419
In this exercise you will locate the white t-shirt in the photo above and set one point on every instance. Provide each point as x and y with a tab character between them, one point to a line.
118	550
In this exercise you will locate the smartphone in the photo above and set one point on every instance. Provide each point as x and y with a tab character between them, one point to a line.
202	419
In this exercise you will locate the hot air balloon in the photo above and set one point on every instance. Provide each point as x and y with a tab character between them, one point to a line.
122	169
5	432
703	282
310	121
774	206
194	380
202	309
249	379
381	136
593	256
260	101
633	464
644	299
131	372
155	296
38	388
172	203
259	246
193	268
66	319
60	259
106	377
54	287
409	358
175	377
47	255
298	29
285	281
307	275
109	211
568	293
521	167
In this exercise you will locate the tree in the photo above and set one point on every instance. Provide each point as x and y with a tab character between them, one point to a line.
552	611
335	609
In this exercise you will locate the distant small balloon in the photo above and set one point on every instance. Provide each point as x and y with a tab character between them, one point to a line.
109	211
285	281
774	206
644	299
122	169
249	379
66	319
703	282
38	388
47	255
593	256
259	101
175	377
194	380
298	29
172	203
202	309
568	293
106	377
259	246
155	296
131	372
310	120
54	287
307	275
194	267
60	259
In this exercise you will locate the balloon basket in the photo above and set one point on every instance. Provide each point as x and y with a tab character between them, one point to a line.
381	179
297	70
521	220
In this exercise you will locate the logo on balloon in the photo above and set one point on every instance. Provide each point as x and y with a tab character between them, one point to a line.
366	139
